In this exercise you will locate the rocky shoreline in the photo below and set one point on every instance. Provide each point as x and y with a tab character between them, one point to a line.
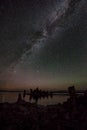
21	115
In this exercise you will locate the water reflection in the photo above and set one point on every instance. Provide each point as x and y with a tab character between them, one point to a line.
37	98
38	94
12	97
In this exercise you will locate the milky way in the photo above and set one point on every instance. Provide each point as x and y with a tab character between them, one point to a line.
43	43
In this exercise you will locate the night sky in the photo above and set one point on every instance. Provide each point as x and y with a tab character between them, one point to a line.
43	43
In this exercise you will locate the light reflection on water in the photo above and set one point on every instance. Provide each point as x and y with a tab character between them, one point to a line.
12	97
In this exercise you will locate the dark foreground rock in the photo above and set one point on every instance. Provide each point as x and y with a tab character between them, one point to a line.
71	115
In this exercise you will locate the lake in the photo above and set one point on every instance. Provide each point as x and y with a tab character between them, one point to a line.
11	97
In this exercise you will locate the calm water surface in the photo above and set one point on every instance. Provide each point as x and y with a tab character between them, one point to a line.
12	97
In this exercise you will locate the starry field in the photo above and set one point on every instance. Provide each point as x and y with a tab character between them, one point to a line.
43	43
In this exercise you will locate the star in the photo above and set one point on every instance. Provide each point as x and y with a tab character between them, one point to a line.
37	71
15	71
